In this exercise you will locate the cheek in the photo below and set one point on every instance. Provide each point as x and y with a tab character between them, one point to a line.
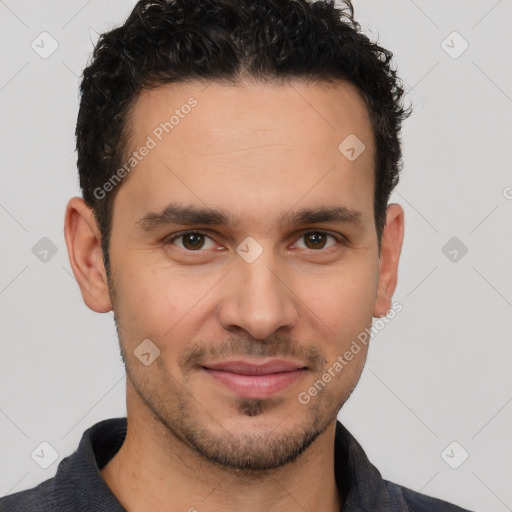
157	302
145	298
343	300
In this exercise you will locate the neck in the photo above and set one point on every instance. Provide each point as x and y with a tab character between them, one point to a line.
155	471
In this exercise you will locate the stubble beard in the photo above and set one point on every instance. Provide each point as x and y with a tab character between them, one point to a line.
250	452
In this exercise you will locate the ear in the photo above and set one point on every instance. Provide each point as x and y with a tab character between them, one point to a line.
85	255
391	246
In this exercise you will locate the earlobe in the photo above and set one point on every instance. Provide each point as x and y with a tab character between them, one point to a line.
391	247
85	256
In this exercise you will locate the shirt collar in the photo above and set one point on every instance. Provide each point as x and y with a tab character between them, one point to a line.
360	483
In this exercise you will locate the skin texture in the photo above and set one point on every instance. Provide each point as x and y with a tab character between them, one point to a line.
255	151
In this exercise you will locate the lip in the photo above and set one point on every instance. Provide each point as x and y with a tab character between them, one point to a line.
256	379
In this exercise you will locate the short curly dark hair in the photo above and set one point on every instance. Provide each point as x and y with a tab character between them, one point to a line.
167	41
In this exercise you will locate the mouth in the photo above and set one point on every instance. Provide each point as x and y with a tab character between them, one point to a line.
251	378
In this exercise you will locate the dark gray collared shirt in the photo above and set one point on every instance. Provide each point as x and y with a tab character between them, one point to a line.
79	487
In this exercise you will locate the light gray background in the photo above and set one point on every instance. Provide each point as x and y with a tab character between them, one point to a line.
439	372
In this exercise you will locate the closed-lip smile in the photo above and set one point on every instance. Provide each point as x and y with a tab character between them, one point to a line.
255	378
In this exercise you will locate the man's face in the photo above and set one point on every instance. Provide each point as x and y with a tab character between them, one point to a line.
288	277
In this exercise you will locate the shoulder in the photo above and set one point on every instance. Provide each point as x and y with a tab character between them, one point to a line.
417	502
35	499
77	484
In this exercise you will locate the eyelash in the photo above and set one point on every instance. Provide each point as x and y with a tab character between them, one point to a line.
337	237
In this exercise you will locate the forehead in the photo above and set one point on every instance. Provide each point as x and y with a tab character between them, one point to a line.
266	142
229	116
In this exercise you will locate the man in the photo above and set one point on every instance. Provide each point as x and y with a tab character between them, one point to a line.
236	160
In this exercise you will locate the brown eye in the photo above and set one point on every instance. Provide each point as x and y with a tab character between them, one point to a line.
193	241
316	240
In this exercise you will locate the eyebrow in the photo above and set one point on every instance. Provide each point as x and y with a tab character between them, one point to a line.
193	215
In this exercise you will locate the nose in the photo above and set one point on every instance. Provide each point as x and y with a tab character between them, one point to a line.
258	300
